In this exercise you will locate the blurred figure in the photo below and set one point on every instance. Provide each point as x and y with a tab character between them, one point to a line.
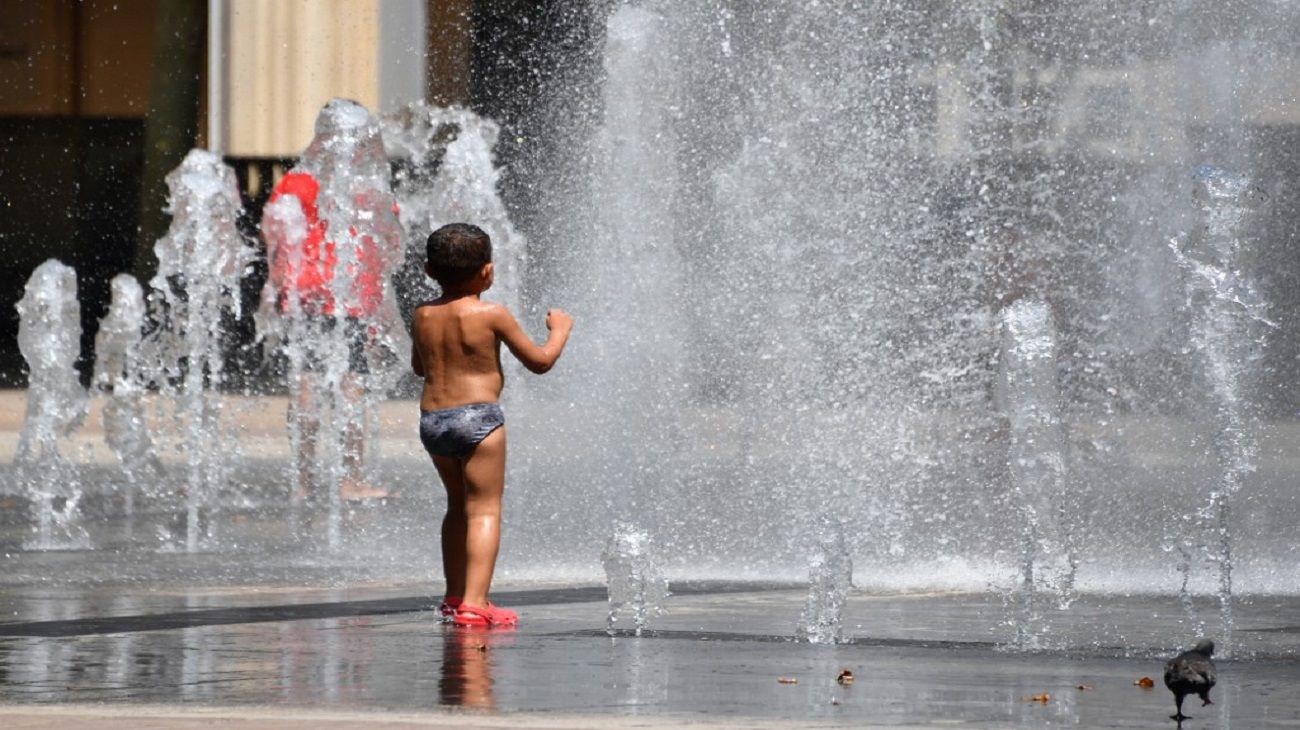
333	239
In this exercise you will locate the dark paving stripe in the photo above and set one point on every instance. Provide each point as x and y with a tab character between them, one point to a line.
778	638
263	614
338	609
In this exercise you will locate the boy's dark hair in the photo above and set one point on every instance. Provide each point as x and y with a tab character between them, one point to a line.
456	252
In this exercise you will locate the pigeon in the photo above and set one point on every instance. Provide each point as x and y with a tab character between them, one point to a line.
1191	672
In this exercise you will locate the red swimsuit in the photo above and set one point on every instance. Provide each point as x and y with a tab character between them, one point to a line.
315	270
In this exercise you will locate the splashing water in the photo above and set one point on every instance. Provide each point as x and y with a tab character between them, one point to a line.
458	143
637	588
194	294
49	338
342	334
633	233
119	378
830	578
1224	309
795	229
1036	464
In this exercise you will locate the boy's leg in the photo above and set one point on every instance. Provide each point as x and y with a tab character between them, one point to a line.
452	472
485	476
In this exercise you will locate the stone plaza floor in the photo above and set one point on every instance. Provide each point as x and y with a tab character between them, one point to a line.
267	630
277	655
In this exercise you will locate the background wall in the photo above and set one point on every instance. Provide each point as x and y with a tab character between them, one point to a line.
286	59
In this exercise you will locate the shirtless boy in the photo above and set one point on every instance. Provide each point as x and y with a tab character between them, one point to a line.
456	347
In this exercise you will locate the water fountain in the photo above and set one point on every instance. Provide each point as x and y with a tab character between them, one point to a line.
1036	464
636	585
194	294
1225	310
333	241
632	234
119	378
49	337
891	262
869	206
830	578
448	175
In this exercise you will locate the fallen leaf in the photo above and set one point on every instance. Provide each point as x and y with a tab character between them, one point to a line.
1083	687
846	677
1043	698
786	680
1145	683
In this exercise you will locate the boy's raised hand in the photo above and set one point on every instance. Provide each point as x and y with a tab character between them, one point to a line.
558	319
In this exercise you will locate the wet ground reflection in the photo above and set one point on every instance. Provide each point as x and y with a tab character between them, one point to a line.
467	655
560	662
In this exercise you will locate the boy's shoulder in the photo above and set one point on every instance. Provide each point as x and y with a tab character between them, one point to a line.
484	308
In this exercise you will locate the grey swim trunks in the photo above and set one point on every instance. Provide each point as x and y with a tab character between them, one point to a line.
456	431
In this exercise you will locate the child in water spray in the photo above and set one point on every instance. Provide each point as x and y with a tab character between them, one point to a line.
456	347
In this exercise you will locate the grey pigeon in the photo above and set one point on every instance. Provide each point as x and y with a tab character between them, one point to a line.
1191	673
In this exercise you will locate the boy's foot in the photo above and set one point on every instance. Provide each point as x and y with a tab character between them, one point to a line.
356	492
491	616
448	607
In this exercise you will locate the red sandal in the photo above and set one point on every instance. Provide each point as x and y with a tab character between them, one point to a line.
491	616
448	607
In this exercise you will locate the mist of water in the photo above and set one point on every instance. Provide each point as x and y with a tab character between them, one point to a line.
1226	314
1036	465
448	175
810	314
900	264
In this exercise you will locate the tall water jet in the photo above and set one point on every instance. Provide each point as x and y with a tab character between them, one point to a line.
635	583
282	324
830	578
333	239
463	188
194	294
119	377
632	263
1036	464
49	338
1224	309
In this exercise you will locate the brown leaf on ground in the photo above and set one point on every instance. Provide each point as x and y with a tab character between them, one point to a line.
846	677
1145	683
786	680
1042	699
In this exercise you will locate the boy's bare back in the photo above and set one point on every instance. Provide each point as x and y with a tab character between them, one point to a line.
456	345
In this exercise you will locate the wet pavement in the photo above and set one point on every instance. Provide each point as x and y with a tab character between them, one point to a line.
264	627
717	657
